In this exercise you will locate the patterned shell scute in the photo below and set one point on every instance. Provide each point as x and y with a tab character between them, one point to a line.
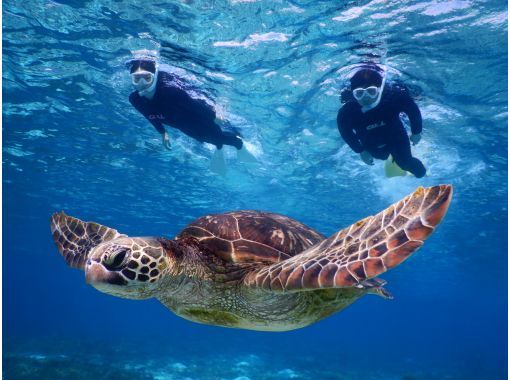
252	236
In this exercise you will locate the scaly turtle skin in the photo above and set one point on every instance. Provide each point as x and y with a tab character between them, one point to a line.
253	270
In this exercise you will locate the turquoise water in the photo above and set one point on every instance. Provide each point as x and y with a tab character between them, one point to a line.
72	142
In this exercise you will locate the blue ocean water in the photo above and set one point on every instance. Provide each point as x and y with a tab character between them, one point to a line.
72	142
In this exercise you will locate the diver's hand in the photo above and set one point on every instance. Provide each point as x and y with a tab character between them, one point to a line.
415	139
367	158
166	141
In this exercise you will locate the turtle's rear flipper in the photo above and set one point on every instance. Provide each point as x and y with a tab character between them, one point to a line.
375	286
362	251
75	238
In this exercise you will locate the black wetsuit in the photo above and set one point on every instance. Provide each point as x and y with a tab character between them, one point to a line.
380	130
171	105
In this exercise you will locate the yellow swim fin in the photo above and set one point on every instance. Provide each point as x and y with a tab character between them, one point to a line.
391	169
218	164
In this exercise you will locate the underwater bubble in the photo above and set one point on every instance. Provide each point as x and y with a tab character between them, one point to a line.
178	366
288	374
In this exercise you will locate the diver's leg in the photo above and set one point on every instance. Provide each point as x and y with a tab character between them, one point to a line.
215	135
233	139
401	152
244	153
230	138
381	153
212	133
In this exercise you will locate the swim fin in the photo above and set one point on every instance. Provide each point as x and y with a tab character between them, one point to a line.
391	169
218	164
244	155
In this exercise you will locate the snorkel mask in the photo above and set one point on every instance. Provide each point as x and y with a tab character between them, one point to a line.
370	92
142	79
143	73
367	86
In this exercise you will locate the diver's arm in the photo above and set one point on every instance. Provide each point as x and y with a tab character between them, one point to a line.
410	108
166	141
158	125
162	131
346	130
140	108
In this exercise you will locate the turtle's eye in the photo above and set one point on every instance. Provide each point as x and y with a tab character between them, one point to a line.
115	260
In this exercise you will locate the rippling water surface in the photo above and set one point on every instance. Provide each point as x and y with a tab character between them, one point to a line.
71	141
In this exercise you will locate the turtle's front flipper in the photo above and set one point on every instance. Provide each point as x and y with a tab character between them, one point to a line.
362	251
75	238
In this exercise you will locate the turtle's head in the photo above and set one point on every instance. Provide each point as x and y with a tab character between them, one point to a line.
114	263
127	267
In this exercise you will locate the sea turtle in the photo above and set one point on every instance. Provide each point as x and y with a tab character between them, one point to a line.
249	269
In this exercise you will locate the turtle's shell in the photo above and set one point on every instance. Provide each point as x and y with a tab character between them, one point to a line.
251	236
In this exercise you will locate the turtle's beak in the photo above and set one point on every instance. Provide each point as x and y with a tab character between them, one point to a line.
97	275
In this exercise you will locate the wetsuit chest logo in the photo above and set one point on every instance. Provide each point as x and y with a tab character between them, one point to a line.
156	117
376	125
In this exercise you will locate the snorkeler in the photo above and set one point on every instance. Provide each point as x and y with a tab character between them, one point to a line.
370	124
162	101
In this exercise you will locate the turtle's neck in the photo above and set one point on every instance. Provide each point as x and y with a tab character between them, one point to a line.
186	259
